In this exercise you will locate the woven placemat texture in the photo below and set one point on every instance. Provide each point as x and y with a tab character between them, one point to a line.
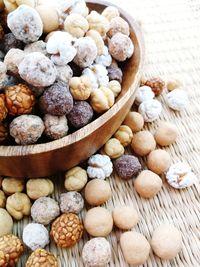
171	32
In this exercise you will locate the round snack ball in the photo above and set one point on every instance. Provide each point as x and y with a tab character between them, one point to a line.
76	25
158	161
42	257
25	23
135	121
44	210
49	17
6	222
124	134
118	24
143	143
97	192
96	252
12	185
39	187
150	110
110	12
113	148
166	134
80	115
71	202
177	99
135	248
166	241
55	126
125	217
98	222
75	179
127	166
66	230
57	99
147	184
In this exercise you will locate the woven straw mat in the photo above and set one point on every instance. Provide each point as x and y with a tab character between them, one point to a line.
172	36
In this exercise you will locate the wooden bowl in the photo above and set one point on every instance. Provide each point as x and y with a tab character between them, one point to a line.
46	159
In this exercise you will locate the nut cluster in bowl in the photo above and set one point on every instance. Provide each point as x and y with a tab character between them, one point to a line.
59	68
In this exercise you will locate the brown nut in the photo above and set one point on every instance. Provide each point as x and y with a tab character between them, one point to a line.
3	109
124	134
80	87
113	148
41	258
135	121
159	161
75	179
2	199
11	249
66	230
157	85
166	134
143	143
12	185
37	188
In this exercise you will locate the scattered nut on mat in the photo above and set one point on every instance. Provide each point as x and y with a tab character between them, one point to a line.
75	179
113	148
157	85
135	121
158	161
125	217
124	134
166	133
6	222
41	257
71	202
177	99
150	110
173	84
143	143
144	93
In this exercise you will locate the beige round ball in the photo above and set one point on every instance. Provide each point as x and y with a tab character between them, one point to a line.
166	241
135	121
143	143
158	161
135	248
166	134
98	222
125	217
147	184
97	192
49	17
6	222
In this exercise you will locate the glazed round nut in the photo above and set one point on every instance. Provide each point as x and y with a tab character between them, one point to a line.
120	47
99	166
18	205
19	99
37	70
125	217
180	175
55	126
110	13
118	24
57	100
39	187
64	73
19	24
71	202
39	46
11	249
97	192
150	110
80	87
10	42
157	85
113	148
98	222
12	60
115	73
3	109
44	210
124	134
115	87
102	99
173	84
144	93
96	252
169	249
66	230
158	161
86	51
105	59
98	22
2	199
135	121
97	38
177	99
12	185
75	179
6	222
80	115
35	236
49	16
26	129
166	134
127	166
135	248
143	143
43	258
147	184
76	25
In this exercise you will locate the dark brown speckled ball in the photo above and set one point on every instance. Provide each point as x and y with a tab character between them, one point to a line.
115	73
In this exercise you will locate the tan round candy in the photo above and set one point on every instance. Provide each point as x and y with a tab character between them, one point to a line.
166	241
96	36
49	17
125	217
124	135
6	222
97	192
75	179
158	161
39	187
113	148
98	222
80	87
147	184
76	25
166	134
115	87
135	248
143	143
135	121
12	185
110	12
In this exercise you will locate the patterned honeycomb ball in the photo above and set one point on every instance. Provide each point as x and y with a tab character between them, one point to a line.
41	258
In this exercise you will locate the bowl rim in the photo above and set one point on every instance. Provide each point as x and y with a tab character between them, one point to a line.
24	150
